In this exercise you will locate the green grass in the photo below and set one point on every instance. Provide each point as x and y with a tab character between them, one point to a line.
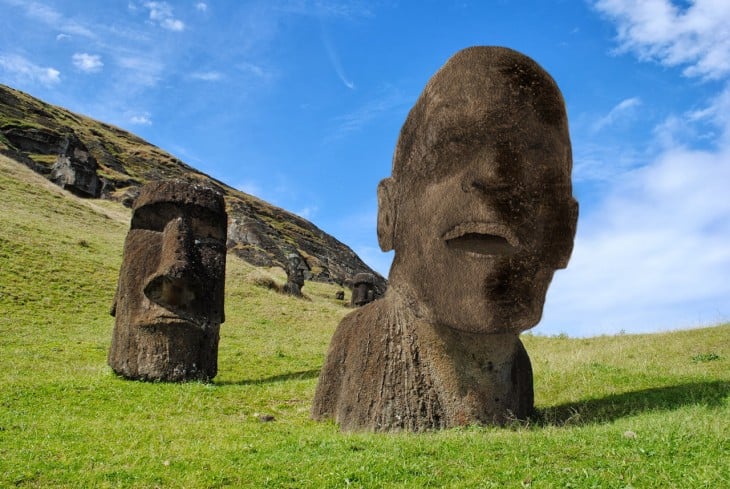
622	411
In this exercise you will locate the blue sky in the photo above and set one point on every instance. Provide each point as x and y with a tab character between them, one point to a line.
300	103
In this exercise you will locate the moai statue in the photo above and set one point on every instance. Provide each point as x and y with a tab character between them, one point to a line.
362	289
169	300
295	269
480	213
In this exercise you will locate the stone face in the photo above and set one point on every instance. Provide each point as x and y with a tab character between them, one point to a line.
362	289
295	270
169	300
75	170
480	213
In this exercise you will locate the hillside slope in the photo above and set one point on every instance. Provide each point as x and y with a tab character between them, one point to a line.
649	411
97	160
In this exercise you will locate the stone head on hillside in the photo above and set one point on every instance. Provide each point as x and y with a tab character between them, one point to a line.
169	300
362	289
295	271
480	213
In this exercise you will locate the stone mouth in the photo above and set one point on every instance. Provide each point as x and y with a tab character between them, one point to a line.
172	322
482	238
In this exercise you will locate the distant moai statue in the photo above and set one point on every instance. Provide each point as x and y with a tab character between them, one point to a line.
480	213
169	300
362	289
340	295
295	272
75	169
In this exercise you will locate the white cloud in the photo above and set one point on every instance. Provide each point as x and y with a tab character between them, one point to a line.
623	110
696	37
653	253
142	119
88	63
161	13
201	7
207	75
253	69
62	37
23	69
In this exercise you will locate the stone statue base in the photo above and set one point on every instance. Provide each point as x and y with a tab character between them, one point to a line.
387	370
167	353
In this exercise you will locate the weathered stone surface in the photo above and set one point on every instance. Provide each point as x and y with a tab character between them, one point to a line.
169	300
480	213
362	289
75	169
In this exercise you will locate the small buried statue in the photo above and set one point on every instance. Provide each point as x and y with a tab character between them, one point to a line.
169	300
480	213
362	289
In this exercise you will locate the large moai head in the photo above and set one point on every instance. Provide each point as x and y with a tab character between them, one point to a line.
479	207
169	300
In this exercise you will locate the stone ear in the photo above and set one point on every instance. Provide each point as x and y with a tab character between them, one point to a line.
387	214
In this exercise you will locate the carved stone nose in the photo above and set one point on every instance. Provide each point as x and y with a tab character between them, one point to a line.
175	284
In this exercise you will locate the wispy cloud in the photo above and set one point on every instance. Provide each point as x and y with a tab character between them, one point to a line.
696	37
335	60
141	119
207	75
161	13
623	110
386	101
21	68
144	71
201	7
326	9
88	63
52	18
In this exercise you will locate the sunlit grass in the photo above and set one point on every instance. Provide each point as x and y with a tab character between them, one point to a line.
620	411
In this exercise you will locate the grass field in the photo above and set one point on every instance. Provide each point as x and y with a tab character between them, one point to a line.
622	411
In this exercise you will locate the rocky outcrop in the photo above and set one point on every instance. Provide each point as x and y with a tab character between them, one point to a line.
94	159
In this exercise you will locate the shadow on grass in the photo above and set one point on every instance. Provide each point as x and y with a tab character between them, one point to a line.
617	406
305	374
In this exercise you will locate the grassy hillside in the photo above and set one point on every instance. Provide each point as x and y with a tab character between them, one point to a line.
623	411
35	132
